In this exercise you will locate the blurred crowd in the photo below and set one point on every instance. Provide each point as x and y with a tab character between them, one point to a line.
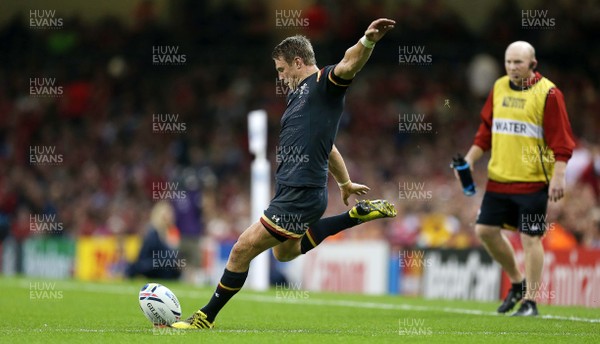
98	158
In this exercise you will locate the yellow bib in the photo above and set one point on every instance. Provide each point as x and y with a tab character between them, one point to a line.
519	152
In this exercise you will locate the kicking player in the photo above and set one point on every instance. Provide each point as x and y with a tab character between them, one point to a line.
292	223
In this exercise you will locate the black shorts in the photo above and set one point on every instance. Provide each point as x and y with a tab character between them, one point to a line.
294	210
525	212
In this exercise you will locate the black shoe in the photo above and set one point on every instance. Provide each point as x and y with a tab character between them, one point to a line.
527	309
514	295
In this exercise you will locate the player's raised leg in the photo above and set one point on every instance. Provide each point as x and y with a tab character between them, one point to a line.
363	211
250	244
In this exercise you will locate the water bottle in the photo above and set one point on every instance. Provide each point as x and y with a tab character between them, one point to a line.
464	172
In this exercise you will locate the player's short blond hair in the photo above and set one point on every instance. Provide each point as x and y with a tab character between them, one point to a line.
295	46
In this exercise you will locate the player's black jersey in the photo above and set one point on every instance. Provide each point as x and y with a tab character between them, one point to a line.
308	128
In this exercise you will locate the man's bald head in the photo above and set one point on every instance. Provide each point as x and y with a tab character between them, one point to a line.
522	47
519	61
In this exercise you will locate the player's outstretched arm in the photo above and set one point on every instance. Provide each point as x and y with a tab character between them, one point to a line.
358	55
338	169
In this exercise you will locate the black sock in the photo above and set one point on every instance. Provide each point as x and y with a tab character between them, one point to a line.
520	287
324	228
230	284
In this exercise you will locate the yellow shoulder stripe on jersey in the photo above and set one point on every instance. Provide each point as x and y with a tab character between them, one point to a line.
319	74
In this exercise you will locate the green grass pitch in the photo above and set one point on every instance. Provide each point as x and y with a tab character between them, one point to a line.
59	311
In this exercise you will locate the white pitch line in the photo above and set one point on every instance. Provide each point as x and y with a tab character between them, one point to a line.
404	307
166	331
100	288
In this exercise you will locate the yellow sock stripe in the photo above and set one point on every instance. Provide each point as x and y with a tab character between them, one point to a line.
228	288
310	238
